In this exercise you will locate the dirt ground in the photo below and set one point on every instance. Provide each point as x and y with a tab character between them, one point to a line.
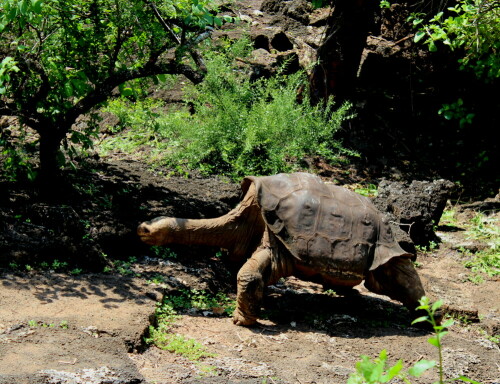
89	327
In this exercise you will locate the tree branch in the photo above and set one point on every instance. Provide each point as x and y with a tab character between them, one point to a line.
103	90
188	47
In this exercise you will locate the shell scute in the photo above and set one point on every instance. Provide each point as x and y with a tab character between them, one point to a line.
325	226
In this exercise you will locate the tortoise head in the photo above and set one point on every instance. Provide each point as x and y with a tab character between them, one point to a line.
156	231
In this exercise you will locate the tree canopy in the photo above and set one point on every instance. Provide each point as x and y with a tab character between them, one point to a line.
472	26
62	58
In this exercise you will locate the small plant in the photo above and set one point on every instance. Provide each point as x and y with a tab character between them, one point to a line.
369	190
59	265
485	229
156	279
166	315
330	292
440	331
125	267
162	336
163	252
35	324
417	264
448	218
76	271
379	371
202	300
427	248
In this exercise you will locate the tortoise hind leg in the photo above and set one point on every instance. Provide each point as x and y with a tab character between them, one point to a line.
251	287
399	280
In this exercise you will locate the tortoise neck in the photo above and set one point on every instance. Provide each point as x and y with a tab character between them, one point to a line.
218	232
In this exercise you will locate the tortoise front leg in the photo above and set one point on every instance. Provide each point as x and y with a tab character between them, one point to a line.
251	287
399	280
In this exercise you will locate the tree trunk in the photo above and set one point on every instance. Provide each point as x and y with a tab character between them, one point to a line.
50	142
339	55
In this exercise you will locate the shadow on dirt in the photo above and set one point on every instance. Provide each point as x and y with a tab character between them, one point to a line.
93	216
353	316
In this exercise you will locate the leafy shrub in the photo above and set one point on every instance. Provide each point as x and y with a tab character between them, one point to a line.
239	127
470	26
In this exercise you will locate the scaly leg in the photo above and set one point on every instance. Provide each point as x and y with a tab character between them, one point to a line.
251	286
399	280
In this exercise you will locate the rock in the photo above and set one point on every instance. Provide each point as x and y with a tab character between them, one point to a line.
281	42
414	208
319	17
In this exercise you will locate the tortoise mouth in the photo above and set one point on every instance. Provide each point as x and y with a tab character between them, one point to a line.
144	233
147	239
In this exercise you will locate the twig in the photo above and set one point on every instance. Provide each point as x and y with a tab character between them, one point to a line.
403	39
69	362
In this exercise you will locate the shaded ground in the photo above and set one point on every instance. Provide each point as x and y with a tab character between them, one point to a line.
89	327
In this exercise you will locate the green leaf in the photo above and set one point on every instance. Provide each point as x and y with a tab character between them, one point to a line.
420	367
436	305
127	91
37	5
420	319
466	379
208	18
68	89
434	341
23	7
448	323
432	47
419	36
393	371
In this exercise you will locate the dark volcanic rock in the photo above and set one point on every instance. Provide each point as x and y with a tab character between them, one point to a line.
414	208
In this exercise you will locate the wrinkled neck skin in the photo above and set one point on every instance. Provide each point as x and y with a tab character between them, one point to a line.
211	232
239	231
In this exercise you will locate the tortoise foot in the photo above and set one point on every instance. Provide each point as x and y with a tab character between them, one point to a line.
240	319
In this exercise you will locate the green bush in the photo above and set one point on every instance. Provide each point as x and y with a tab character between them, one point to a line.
239	127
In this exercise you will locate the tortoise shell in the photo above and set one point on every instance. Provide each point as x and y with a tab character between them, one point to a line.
325	227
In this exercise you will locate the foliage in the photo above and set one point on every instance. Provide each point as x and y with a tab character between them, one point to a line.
15	153
201	300
166	315
63	58
239	127
369	190
35	324
448	218
125	267
163	252
471	26
379	371
54	266
487	261
485	229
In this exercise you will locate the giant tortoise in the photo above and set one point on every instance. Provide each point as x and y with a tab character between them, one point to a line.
295	224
